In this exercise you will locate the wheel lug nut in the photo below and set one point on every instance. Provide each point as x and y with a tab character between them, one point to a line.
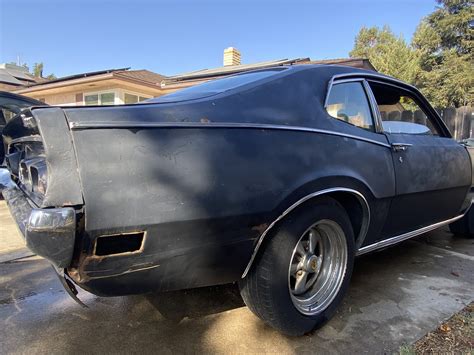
300	272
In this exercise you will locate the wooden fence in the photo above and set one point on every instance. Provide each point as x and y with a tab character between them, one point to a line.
460	121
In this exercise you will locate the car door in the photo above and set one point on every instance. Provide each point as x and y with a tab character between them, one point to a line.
432	170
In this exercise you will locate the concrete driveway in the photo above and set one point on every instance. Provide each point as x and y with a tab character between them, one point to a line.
396	296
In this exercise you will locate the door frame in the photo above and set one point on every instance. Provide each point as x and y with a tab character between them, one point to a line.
398	151
430	112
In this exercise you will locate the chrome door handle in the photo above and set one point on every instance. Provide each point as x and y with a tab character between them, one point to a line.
400	147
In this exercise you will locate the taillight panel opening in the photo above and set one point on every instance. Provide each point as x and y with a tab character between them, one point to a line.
116	244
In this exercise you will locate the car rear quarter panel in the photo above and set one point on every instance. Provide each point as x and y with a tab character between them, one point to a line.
204	195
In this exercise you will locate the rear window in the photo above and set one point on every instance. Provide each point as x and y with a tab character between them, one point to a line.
215	86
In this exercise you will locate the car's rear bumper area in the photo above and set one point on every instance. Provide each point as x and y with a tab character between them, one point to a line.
193	267
48	232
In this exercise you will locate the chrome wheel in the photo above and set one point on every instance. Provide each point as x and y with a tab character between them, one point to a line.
317	267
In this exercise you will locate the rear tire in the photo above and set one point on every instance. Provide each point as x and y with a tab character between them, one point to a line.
303	270
464	226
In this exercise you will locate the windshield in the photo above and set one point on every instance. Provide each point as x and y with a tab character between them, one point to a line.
215	86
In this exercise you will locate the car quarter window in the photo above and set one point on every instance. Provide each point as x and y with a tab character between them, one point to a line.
400	111
348	102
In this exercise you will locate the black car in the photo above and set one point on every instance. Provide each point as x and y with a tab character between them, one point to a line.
276	179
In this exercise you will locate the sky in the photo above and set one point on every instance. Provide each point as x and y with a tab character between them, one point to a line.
172	37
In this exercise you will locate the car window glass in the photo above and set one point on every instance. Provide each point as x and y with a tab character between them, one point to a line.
395	106
216	86
348	102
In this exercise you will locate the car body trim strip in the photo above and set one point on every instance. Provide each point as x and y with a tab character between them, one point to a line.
27	139
363	75
133	124
405	236
360	238
387	80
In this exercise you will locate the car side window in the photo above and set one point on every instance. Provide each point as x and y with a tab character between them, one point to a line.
400	112
348	102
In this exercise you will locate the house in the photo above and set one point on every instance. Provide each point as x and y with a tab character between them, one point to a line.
125	86
232	65
14	76
105	87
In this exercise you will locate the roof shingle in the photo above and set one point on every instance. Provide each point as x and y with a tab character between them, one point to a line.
141	75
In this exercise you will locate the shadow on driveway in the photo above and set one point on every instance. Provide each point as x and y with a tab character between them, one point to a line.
396	296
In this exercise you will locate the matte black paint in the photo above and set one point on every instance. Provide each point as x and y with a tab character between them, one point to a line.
203	194
431	181
52	239
211	175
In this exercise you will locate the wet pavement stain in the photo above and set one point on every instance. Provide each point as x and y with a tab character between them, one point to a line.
395	297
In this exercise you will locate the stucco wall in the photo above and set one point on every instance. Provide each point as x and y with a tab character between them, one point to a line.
69	98
71	92
59	99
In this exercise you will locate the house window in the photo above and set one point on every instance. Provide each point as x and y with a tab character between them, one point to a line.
105	98
133	99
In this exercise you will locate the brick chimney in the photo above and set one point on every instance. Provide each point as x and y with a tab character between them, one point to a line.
231	56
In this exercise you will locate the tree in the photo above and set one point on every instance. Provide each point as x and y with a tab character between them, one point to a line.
388	53
439	59
38	70
447	28
445	42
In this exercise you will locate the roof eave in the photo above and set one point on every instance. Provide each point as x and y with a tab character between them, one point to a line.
85	80
59	84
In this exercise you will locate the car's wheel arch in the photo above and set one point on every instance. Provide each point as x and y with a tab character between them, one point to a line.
347	196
